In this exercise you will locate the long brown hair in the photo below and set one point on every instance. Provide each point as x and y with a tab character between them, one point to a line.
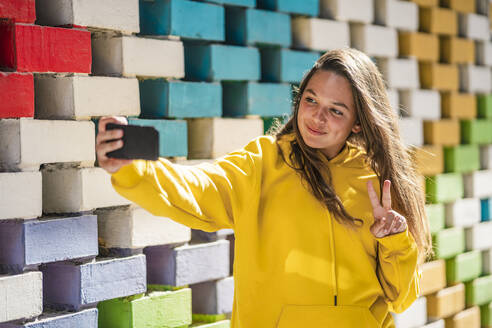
379	136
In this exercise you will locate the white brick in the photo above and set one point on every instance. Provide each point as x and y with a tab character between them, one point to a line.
21	296
213	297
120	15
412	131
414	316
483	7
402	15
483	53
26	143
394	99
475	79
133	227
69	190
400	73
478	184
190	162
486	157
478	236
20	195
424	104
378	41
215	137
473	26
81	97
464	212
319	34
361	11
487	261
137	56
436	324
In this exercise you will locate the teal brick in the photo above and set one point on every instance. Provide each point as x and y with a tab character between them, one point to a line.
436	216
476	131
449	242
484	106
479	291
183	18
461	159
445	187
161	98
486	209
254	27
464	267
221	63
304	7
253	98
285	65
173	136
486	315
240	3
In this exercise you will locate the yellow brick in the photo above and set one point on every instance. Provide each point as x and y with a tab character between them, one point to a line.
458	105
442	77
433	277
443	132
426	3
446	302
457	50
438	20
429	159
464	6
469	318
423	46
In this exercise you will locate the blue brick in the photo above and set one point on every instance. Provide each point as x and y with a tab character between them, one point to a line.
284	65
83	319
173	136
241	3
486	205
253	98
221	63
304	7
69	286
183	18
29	243
161	98
253	27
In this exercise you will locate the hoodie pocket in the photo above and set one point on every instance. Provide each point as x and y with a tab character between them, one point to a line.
295	316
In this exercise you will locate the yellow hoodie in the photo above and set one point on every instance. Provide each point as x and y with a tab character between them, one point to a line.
295	266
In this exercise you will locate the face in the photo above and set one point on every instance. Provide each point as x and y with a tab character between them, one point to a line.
327	114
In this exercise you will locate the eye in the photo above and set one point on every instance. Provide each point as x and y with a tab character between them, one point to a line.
310	100
336	112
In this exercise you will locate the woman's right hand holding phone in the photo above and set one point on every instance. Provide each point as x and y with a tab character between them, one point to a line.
111	165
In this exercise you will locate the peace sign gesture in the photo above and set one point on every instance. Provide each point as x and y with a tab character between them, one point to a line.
386	221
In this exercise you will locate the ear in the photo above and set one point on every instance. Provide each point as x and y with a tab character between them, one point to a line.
356	128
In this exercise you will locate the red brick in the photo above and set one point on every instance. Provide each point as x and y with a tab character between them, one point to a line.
21	11
33	48
17	94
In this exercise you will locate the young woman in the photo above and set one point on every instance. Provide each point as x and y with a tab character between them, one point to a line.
315	246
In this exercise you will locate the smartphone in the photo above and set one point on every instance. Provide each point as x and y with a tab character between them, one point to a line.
139	142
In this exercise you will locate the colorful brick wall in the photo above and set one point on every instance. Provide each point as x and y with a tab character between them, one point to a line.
210	76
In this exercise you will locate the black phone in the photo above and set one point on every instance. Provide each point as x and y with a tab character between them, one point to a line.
139	142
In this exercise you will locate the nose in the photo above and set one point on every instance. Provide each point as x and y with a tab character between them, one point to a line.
319	115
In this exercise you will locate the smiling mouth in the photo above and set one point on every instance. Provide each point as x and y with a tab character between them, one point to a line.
315	132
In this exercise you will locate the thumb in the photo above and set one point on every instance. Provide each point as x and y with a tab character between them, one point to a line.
378	225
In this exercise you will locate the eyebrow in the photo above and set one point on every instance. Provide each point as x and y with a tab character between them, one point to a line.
341	104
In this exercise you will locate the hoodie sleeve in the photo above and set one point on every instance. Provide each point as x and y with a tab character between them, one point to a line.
206	196
397	270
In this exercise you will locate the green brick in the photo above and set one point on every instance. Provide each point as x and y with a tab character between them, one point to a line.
486	315
170	309
464	267
479	291
476	131
484	106
436	217
449	242
444	188
460	159
219	324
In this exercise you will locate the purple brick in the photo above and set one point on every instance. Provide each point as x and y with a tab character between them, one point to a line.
24	244
83	319
73	287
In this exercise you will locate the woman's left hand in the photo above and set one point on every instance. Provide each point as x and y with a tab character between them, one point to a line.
386	221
